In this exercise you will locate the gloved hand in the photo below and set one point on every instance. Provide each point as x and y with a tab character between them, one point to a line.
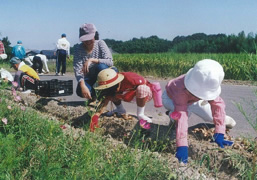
219	139
182	154
94	123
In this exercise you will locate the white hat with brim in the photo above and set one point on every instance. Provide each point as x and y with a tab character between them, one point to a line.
204	80
108	78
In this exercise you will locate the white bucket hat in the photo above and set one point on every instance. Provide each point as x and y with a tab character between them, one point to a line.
108	78
204	79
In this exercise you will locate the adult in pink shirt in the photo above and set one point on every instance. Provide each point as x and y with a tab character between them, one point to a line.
197	92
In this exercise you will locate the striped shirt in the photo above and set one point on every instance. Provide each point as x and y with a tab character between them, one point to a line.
100	52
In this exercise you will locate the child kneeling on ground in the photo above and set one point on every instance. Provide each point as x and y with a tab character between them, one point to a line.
124	86
197	91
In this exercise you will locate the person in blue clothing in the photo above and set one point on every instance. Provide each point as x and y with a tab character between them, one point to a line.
19	51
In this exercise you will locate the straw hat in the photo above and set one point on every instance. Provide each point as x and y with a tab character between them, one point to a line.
204	79
108	78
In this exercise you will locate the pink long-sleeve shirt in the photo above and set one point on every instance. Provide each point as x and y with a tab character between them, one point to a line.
182	98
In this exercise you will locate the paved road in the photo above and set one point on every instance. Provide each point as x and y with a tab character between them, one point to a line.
232	94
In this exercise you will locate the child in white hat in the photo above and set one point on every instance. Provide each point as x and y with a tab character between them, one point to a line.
197	91
124	86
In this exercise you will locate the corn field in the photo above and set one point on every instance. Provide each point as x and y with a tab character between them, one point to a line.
236	66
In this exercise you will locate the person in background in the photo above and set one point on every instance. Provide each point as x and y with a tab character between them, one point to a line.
37	64
63	51
44	61
28	60
2	51
19	51
43	58
90	57
197	91
25	76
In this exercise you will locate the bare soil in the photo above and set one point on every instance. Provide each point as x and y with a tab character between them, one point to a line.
206	160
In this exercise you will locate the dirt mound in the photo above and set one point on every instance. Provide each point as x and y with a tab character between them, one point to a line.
205	158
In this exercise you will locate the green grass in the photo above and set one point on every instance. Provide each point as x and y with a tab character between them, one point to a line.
33	147
250	171
236	66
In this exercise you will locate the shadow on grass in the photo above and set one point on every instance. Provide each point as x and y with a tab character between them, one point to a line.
158	138
200	125
81	121
43	101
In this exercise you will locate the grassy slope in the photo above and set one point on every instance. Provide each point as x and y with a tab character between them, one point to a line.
33	147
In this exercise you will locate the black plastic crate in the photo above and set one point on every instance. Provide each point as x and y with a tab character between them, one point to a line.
54	88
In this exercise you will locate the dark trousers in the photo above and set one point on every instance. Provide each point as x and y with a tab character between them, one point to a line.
91	77
61	61
25	81
37	64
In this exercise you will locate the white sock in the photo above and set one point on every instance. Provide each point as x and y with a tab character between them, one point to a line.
141	115
229	122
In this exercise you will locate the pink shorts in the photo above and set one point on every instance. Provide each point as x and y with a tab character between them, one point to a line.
144	91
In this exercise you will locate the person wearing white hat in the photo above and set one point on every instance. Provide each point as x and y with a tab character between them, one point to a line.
197	91
90	57
123	86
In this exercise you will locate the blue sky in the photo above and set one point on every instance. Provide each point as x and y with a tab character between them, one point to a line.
40	23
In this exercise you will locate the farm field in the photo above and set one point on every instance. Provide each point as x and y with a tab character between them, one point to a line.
163	65
236	66
48	131
46	138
